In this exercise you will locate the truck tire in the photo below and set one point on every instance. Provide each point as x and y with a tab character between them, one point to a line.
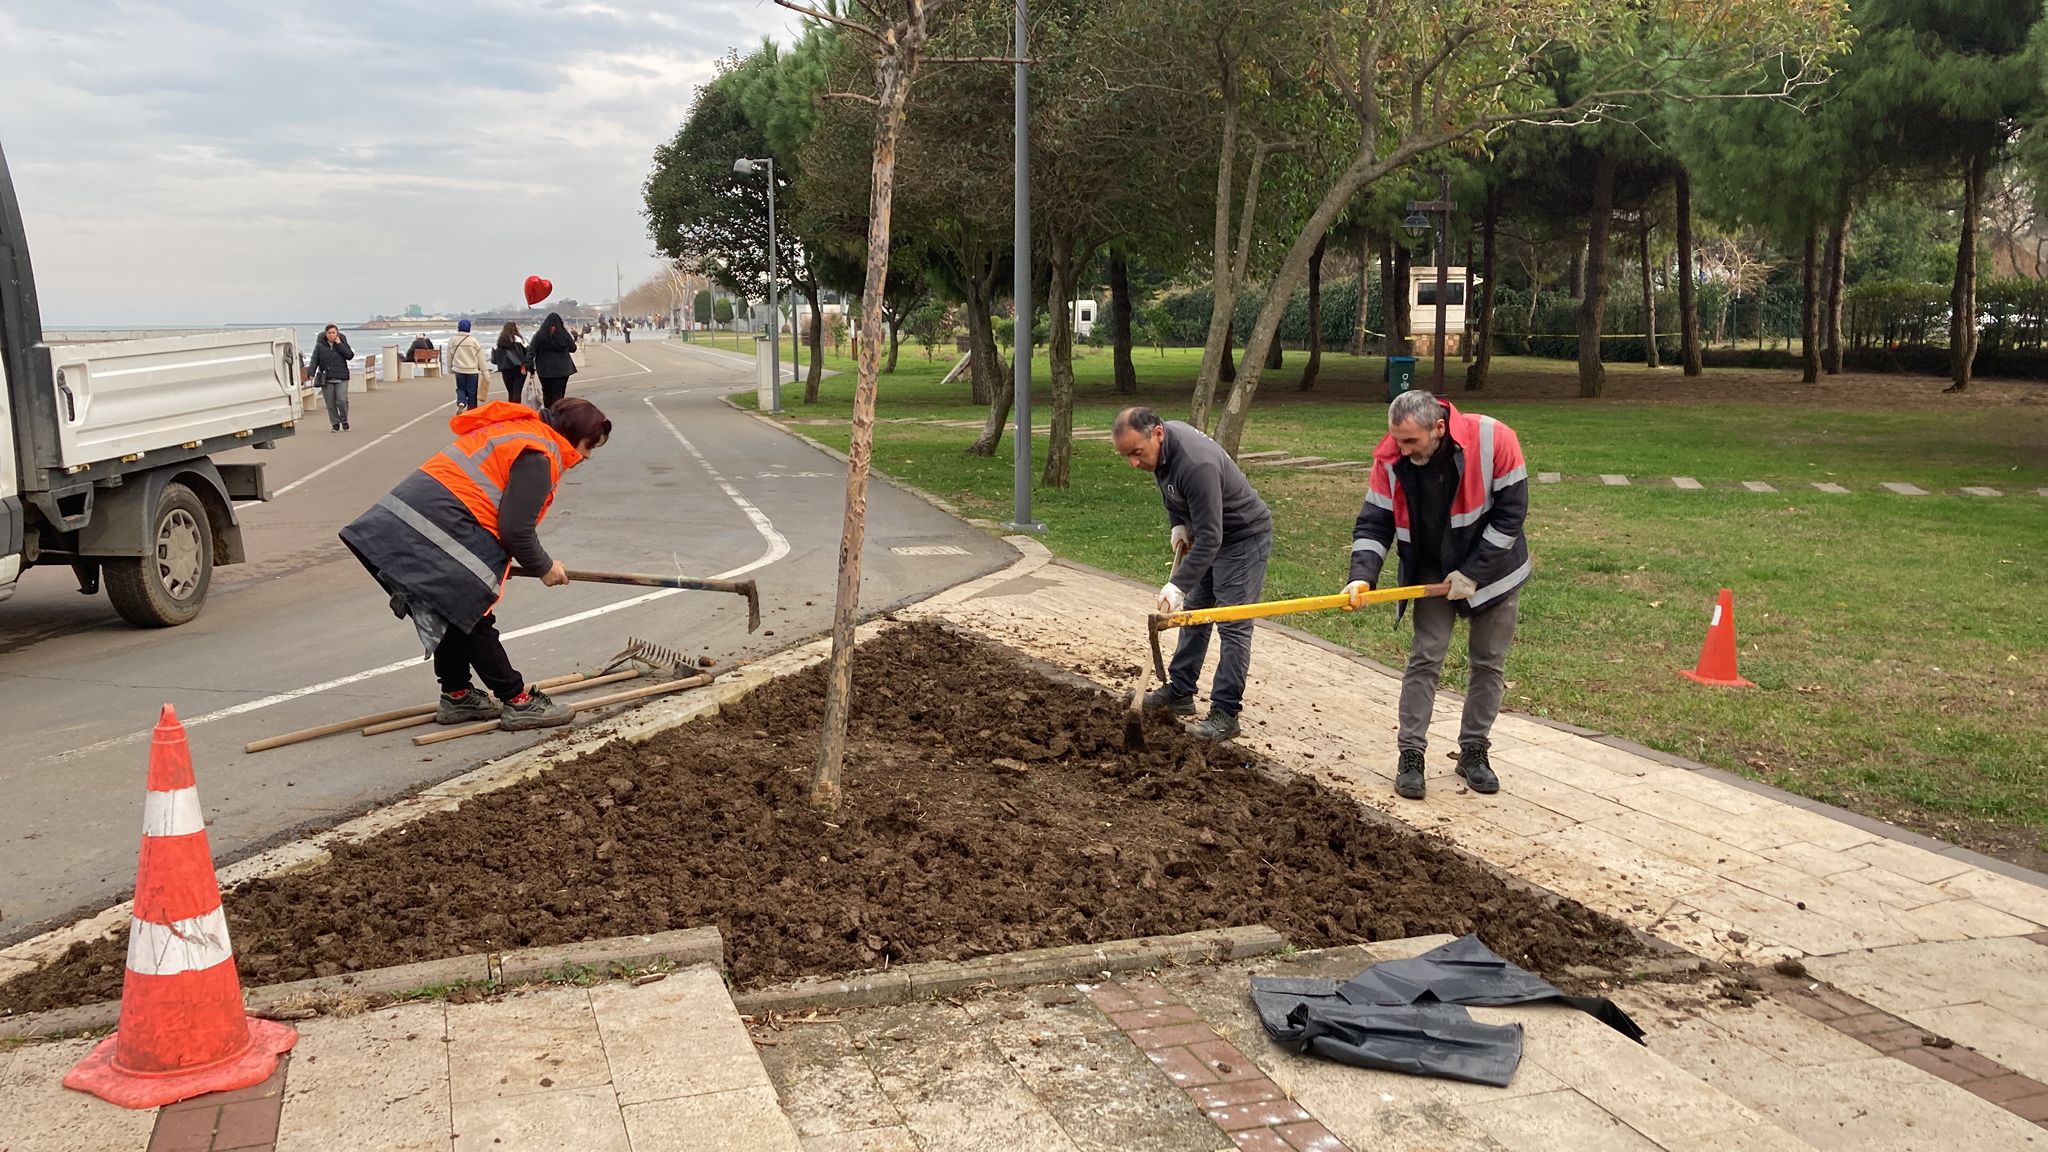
167	585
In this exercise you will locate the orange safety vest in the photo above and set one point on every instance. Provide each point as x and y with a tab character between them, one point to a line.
433	540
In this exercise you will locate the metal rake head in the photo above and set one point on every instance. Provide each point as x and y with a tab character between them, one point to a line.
654	657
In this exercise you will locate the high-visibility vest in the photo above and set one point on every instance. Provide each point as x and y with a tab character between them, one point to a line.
433	540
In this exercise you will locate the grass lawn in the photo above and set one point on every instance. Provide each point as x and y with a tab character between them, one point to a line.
1898	643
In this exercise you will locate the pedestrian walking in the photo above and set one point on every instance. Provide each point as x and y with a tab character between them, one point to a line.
626	327
1449	492
443	542
1221	536
331	356
553	357
509	358
466	360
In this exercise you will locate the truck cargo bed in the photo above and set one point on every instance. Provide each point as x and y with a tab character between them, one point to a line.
122	397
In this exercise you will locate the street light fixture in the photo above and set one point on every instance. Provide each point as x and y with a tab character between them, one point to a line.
745	167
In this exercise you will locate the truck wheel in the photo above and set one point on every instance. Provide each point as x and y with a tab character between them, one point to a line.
166	586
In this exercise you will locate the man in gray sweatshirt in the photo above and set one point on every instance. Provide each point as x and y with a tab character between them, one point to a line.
1221	535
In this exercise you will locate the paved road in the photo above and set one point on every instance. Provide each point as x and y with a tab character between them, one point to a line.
301	635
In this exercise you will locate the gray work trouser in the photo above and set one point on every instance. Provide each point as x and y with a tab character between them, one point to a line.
1237	577
1488	634
334	397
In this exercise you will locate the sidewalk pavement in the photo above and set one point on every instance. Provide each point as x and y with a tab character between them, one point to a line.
1934	1033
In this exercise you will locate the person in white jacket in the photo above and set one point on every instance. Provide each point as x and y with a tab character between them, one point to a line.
466	360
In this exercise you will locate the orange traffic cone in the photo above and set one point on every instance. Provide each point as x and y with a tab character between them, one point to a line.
1717	655
183	1032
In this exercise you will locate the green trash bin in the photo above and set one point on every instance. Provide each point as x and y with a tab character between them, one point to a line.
1400	374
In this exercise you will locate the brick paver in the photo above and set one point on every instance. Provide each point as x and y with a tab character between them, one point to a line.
1222	1082
244	1120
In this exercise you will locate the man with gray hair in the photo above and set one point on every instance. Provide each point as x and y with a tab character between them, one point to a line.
1449	492
1221	537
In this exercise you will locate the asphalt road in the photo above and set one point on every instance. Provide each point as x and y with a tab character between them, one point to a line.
301	635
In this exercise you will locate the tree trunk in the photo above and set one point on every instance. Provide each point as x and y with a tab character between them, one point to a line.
892	88
1273	355
816	335
1593	304
1649	297
1120	321
1003	386
1830	298
1390	298
1059	450
1962	323
982	365
1576	286
1398	319
1489	222
1465	337
895	343
1227	372
1688	308
1223	290
1809	309
1314	367
1358	323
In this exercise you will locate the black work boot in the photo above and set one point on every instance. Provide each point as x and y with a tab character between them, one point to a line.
1163	697
1408	778
465	706
532	709
1217	725
1477	771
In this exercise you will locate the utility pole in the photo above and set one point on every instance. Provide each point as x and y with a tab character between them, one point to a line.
1021	291
1441	208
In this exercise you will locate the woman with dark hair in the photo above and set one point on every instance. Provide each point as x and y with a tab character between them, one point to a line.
331	355
553	354
443	542
509	358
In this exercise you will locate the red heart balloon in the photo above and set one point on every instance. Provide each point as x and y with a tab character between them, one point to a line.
537	290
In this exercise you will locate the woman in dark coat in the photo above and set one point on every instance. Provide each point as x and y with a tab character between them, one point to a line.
552	355
509	357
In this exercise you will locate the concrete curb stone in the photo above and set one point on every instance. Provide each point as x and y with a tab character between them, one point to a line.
682	946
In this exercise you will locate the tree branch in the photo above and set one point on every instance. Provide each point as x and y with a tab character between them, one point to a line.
828	18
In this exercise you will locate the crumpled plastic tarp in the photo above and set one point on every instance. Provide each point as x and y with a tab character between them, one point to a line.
1409	1015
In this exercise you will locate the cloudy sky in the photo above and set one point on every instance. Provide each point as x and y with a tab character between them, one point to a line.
215	161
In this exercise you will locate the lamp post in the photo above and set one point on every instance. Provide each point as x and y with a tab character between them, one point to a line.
746	167
1020	239
1417	222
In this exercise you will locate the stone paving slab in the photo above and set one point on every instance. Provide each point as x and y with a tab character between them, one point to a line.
41	1115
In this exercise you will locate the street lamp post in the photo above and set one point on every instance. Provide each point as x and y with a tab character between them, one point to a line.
1021	290
1419	213
746	167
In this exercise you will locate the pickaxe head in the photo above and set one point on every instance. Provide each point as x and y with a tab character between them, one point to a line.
753	596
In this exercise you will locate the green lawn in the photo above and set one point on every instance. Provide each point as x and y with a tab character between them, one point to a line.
1897	643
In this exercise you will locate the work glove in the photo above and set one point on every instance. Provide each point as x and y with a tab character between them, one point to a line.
1462	587
1182	541
1172	599
1355	590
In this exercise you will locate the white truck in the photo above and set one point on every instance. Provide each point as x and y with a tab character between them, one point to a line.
107	439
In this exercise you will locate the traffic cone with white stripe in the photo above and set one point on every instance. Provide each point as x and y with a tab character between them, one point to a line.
1717	652
183	1031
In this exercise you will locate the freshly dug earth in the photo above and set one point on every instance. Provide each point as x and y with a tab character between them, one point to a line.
988	809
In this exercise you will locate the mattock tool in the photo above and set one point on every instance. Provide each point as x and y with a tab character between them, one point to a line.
690	583
1161	621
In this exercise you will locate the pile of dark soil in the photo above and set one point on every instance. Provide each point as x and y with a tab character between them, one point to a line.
988	808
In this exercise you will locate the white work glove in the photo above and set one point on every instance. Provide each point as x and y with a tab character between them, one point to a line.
1182	541
1462	587
1172	599
1355	590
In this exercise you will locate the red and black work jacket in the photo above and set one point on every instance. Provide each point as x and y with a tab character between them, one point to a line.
1484	537
434	539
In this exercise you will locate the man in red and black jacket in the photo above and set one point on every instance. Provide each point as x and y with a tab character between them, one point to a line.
1449	492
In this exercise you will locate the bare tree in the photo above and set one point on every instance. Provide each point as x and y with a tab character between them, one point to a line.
897	37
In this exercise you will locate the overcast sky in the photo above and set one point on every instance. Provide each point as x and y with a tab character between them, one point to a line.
214	161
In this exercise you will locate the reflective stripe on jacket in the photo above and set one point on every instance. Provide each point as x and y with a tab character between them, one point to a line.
433	540
1484	538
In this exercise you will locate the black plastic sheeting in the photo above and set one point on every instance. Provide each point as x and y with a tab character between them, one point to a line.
1409	1015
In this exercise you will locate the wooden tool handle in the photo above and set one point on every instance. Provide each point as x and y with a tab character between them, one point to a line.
689	583
1224	615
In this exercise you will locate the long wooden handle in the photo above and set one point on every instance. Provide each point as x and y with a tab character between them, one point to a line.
560	687
374	718
689	583
1224	615
481	726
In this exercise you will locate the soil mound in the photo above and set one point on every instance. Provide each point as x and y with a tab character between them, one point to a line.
988	808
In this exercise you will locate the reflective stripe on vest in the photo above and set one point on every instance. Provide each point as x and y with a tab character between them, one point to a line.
440	539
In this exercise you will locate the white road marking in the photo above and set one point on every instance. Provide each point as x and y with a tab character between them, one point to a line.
318	472
929	550
778	547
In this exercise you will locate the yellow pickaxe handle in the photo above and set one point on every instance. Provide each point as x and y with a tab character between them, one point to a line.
1161	621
